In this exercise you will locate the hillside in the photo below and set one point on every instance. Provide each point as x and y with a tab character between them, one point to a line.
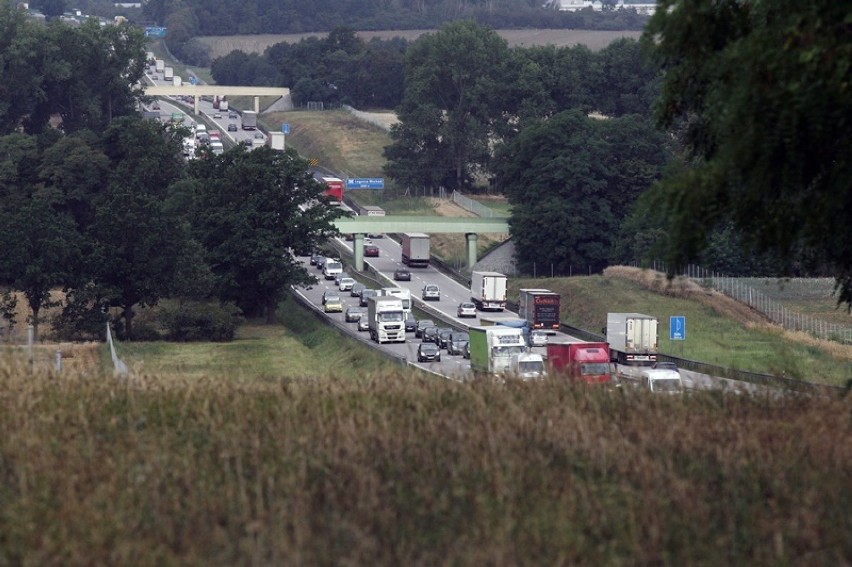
719	330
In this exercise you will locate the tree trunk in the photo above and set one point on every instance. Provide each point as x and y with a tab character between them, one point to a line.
128	322
271	308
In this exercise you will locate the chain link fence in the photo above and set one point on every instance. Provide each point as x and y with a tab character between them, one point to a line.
474	207
741	290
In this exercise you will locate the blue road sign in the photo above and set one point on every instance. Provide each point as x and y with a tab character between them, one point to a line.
366	183
151	31
285	128
677	328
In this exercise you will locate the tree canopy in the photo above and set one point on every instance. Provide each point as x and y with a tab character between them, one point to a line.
762	92
571	181
252	208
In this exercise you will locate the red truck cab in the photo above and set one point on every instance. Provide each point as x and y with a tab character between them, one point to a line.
581	362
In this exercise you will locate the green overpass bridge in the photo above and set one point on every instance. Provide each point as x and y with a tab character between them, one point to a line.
361	226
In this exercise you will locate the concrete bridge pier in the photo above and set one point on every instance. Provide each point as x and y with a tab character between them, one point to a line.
358	249
471	249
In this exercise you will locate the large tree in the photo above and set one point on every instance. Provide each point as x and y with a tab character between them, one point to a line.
571	181
763	91
456	87
136	238
252	209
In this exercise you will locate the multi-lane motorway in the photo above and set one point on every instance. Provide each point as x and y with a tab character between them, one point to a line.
217	119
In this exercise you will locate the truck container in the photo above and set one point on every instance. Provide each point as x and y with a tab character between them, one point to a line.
159	65
632	338
415	249
168	73
580	361
276	141
223	104
402	293
488	291
177	81
249	120
386	319
492	348
540	307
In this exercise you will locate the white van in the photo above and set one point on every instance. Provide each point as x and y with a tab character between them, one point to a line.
331	268
402	293
662	381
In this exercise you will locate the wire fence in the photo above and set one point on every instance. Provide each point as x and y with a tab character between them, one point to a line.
741	290
474	207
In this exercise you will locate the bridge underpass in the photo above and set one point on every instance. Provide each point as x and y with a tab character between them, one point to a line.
470	227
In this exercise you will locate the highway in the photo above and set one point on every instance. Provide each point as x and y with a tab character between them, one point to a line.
215	119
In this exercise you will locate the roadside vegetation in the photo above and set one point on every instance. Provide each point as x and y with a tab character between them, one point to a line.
383	467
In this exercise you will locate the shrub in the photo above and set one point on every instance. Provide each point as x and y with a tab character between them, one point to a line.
195	321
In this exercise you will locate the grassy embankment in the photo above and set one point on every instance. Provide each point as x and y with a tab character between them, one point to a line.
719	330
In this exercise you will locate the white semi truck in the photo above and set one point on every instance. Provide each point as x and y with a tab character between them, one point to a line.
386	319
402	293
168	73
632	338
488	291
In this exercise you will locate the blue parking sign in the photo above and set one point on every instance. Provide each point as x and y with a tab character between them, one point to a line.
677	328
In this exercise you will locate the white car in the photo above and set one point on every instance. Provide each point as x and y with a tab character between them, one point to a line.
466	310
431	292
538	338
346	284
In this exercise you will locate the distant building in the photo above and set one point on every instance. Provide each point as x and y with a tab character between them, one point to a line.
645	8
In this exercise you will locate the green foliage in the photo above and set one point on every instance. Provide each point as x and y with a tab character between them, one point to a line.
195	321
570	181
84	74
763	90
456	82
251	209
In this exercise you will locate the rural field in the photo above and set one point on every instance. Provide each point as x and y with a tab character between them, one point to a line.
219	46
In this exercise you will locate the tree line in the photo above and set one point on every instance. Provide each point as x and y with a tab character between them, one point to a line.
101	204
188	19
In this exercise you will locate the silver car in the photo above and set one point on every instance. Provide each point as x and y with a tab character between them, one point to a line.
431	292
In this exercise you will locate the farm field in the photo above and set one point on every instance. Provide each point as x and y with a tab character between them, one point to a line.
219	46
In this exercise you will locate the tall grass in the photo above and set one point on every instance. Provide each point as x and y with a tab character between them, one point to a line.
390	469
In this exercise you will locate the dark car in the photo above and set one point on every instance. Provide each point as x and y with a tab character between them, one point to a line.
258	135
353	314
457	342
232	127
315	257
429	334
357	289
329	295
402	275
410	323
371	250
444	336
428	352
422	324
367	293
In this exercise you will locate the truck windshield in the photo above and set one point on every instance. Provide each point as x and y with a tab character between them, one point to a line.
667	385
391	317
508	350
594	369
334	266
530	367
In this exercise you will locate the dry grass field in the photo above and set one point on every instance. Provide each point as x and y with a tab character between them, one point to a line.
219	46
